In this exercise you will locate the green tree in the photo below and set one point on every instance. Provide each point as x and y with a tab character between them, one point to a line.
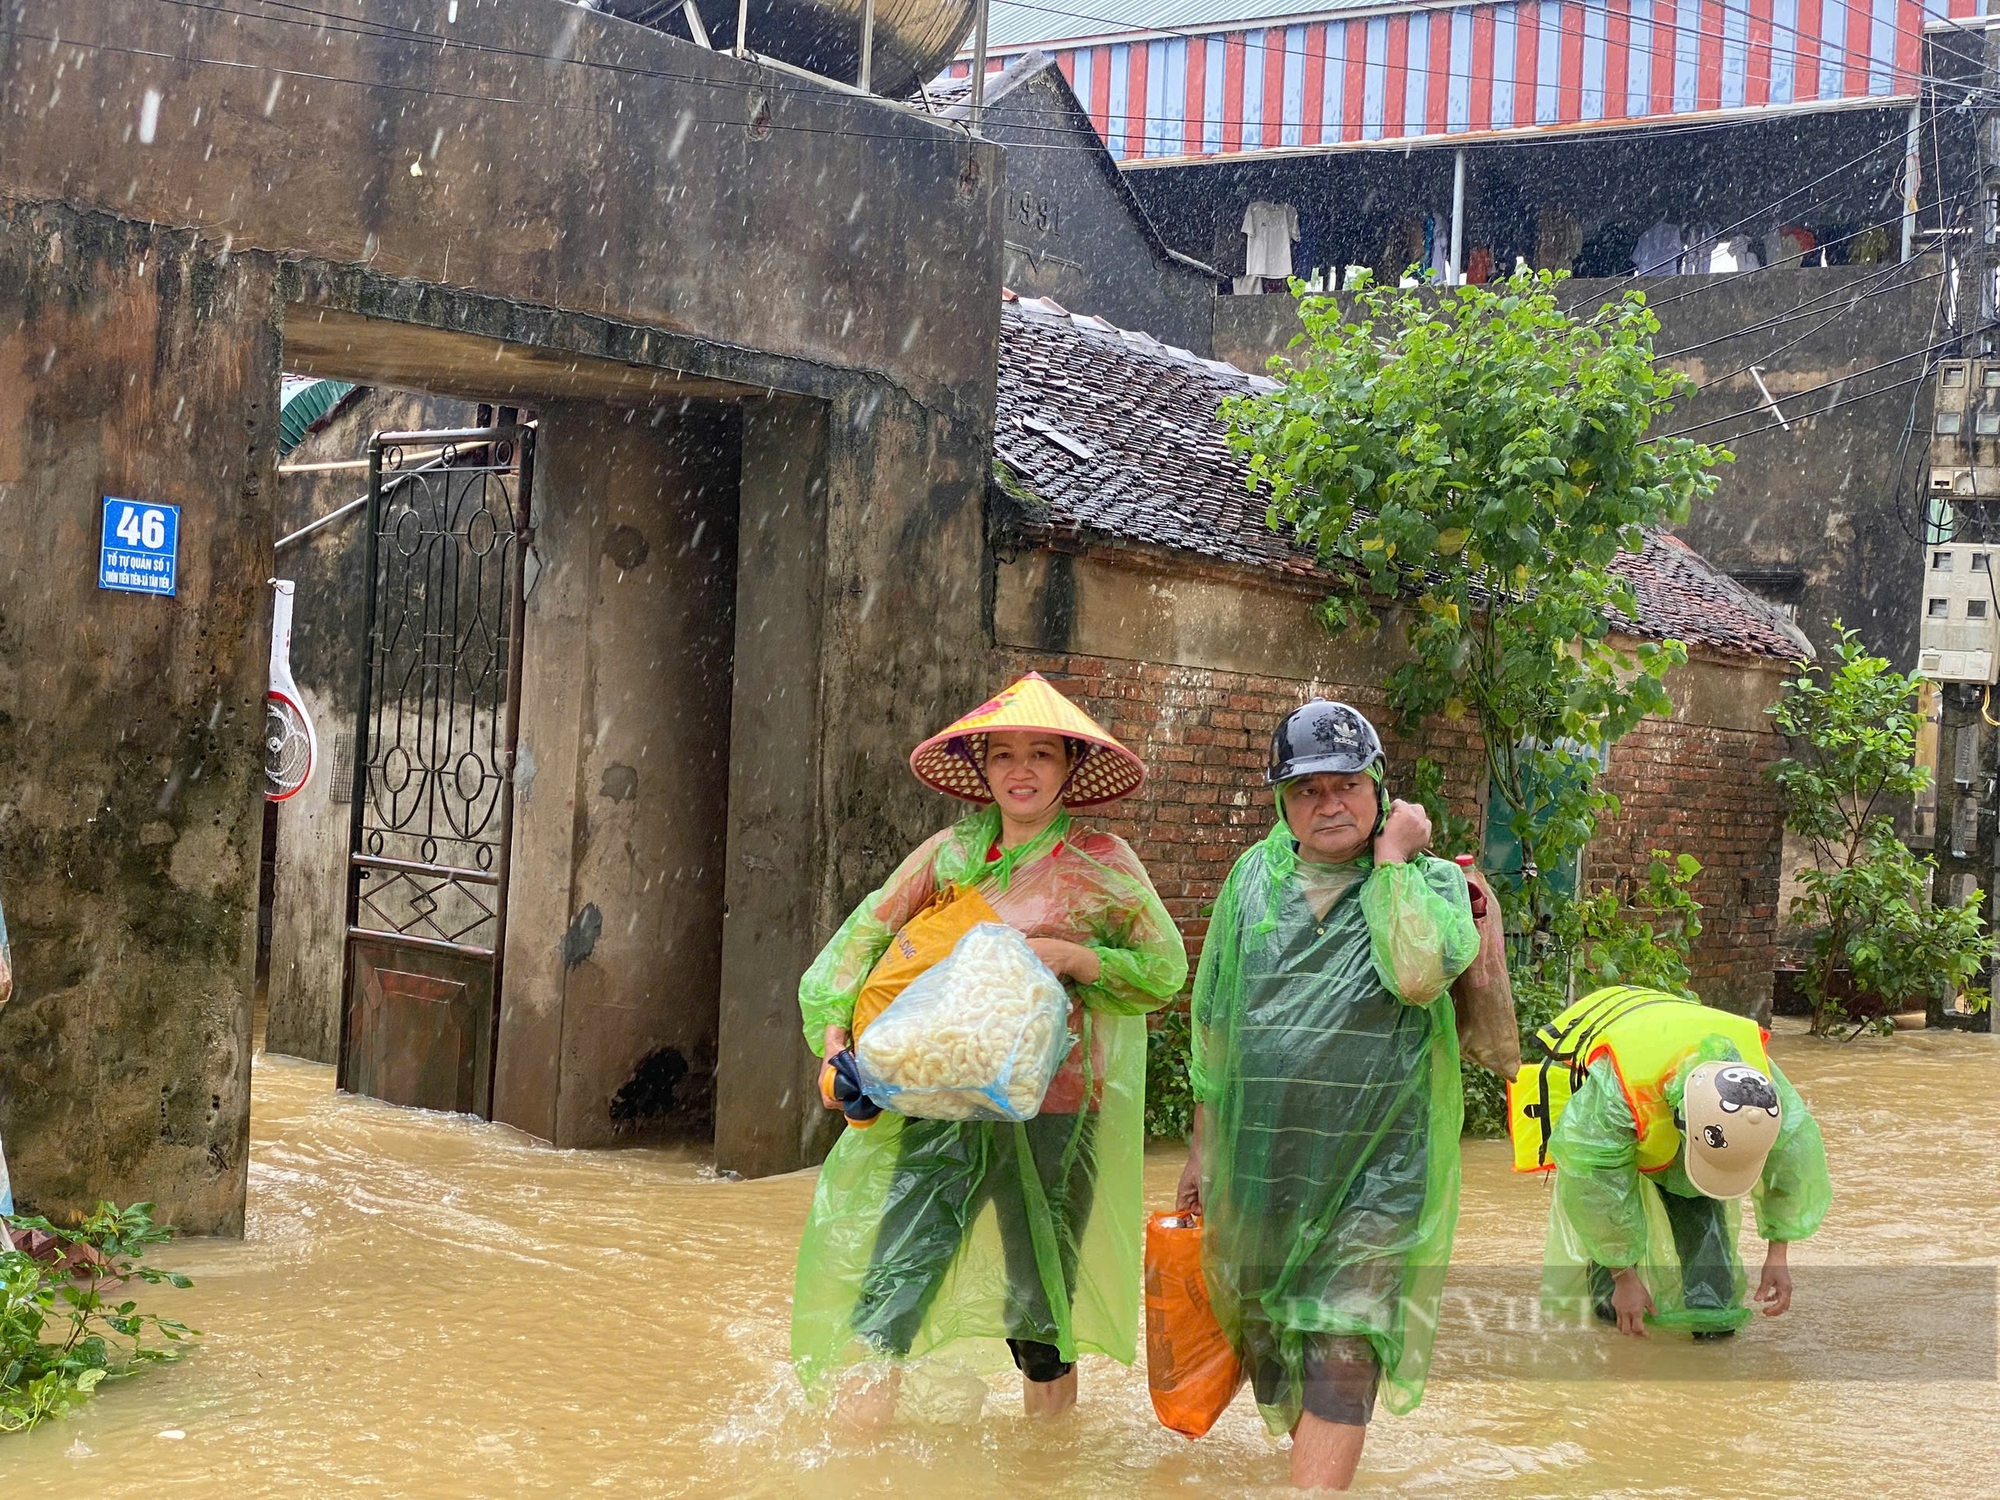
1645	941
1853	728
1169	1092
1481	456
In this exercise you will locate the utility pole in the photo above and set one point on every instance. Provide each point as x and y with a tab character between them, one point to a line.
1986	145
1958	816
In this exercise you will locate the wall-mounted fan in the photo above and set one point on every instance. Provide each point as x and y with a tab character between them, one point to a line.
291	749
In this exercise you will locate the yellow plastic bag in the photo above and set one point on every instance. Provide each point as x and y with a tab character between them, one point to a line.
926	939
1535	1099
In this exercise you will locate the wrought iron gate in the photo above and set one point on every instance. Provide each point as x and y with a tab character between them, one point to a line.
447	535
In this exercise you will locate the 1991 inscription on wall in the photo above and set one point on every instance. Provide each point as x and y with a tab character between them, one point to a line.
1036	211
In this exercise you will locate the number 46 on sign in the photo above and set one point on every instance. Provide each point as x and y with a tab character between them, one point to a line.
141	543
142	528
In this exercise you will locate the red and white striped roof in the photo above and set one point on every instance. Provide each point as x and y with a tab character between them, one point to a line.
1351	80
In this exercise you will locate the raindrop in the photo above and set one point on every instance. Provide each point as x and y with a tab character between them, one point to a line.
149	116
681	128
271	99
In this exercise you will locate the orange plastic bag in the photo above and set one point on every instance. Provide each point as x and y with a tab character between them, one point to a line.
1192	1369
926	939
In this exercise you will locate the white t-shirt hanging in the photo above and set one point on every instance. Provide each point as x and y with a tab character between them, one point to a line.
1658	252
1270	229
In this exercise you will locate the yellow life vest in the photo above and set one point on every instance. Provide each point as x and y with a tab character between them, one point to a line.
1535	1098
1647	1034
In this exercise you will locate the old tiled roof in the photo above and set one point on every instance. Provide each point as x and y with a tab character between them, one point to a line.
1684	596
1109	435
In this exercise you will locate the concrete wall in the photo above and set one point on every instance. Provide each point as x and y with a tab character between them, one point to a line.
780	906
625	174
624	219
309	905
1823	516
1193	667
1074	231
134	363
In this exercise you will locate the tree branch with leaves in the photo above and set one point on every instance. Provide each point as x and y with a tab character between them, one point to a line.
1481	457
1853	729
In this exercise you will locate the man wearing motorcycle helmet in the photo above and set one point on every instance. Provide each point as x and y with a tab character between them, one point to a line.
1325	1063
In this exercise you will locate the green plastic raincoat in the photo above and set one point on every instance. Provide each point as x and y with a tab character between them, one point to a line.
926	1231
1606	1214
1326	1057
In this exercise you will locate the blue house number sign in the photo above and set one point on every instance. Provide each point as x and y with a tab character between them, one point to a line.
141	546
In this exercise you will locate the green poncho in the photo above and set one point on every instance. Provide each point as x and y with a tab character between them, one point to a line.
1606	1213
1326	1057
926	1231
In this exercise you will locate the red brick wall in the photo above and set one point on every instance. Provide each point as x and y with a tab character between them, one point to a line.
1205	736
1701	791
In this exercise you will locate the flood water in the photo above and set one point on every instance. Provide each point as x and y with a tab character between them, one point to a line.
426	1306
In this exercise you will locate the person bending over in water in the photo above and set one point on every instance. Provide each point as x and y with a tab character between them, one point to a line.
898	1257
1681	1114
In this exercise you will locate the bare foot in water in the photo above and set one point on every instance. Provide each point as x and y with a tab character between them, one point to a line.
866	1398
1049	1398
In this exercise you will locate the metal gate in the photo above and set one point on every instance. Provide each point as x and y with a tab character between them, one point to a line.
447	535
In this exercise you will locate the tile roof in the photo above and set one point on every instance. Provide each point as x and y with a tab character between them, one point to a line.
1113	437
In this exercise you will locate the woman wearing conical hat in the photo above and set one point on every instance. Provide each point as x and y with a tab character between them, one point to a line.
927	1231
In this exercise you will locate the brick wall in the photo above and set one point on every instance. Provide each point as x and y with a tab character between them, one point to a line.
1204	736
1697	790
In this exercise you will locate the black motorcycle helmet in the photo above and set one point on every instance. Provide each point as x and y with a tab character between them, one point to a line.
1320	737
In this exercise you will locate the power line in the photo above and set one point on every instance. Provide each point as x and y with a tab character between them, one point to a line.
1737	416
1852	292
466	96
1832	406
1803	309
476	98
1897	491
323	20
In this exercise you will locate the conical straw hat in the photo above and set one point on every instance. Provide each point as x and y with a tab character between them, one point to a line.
951	762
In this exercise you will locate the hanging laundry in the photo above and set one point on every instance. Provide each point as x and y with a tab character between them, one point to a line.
1658	252
1437	247
1271	230
1733	254
1699	255
1788	244
1558	240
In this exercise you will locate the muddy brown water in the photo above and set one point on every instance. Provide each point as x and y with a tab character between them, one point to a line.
428	1306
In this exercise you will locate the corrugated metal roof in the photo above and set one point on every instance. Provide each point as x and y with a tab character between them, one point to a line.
1018	23
304	406
1201	79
